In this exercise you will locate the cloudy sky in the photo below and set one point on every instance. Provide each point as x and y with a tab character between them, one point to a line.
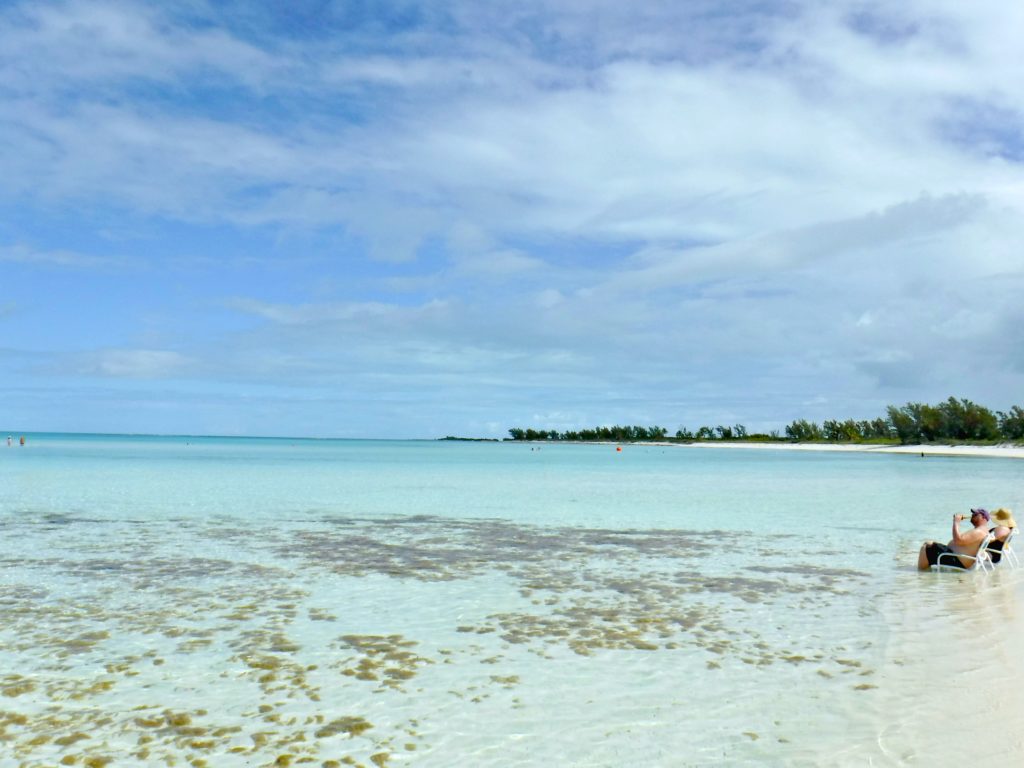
414	219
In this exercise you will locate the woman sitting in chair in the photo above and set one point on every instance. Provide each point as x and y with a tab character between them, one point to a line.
1004	524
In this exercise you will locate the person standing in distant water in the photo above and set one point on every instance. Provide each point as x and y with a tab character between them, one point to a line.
9	441
961	544
22	441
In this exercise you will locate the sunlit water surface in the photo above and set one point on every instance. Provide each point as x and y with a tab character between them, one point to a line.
231	602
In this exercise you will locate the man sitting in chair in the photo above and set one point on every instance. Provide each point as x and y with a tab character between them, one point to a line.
962	544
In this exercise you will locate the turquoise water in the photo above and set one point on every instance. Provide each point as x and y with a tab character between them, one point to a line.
175	600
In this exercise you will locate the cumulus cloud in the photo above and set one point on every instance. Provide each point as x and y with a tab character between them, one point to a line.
822	243
645	210
133	364
634	146
24	254
309	314
100	42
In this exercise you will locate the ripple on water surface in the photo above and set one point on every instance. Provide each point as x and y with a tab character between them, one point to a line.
439	641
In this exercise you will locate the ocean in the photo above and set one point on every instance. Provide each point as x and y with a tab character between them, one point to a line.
246	602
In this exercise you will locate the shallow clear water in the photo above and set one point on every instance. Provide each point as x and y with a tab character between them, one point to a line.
169	601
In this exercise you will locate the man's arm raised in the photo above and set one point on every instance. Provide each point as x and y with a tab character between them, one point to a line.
958	540
969	540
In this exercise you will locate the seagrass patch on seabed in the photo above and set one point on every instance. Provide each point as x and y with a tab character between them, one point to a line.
131	635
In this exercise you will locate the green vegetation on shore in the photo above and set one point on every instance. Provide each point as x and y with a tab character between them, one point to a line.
952	421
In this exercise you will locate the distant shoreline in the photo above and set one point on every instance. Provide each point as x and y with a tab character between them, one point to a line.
1005	451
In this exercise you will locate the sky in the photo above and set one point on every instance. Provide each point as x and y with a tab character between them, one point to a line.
419	219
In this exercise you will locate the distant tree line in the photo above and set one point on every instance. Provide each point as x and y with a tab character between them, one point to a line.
954	420
614	434
638	434
735	432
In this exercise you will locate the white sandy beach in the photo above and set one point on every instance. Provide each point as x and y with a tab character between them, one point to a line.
1004	451
1001	451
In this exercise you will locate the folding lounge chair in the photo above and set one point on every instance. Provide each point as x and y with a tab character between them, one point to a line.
980	562
1005	553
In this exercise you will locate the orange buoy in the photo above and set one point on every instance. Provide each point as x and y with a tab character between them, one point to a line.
618	448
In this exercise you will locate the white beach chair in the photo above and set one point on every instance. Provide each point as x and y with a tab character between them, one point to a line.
1007	555
980	562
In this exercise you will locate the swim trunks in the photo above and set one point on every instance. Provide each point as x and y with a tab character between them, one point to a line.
996	550
933	550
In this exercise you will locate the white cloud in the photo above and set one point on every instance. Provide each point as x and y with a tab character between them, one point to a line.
95	42
355	314
133	364
638	149
58	257
590	204
549	298
309	314
824	243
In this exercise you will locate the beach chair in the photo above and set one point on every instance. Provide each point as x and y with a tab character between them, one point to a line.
980	562
1005	553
